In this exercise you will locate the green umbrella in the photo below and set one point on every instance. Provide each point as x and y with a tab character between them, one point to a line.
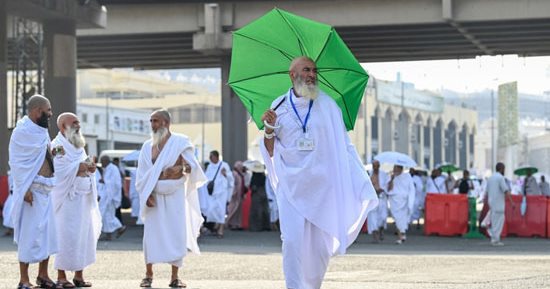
262	53
448	167
523	170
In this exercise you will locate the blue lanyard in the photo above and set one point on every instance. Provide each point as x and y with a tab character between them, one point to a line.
304	123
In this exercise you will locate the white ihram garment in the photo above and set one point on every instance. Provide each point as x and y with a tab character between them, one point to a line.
76	209
34	229
8	205
402	200
272	199
173	225
436	186
216	204
377	218
327	187
418	198
110	198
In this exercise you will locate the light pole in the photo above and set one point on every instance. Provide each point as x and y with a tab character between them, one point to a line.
202	133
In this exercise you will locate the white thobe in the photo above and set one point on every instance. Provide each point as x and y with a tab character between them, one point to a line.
110	198
418	198
34	226
8	205
401	198
134	195
496	192
272	199
378	217
324	195
544	189
215	206
436	186
530	187
172	226
76	209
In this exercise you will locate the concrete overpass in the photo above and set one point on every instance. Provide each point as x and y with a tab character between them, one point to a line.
156	34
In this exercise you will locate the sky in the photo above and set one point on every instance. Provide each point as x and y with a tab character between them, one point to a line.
470	75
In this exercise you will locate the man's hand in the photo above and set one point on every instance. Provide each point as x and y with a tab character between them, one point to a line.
92	167
270	117
173	172
150	201
224	173
28	197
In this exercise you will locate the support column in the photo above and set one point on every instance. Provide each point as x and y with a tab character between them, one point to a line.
4	134
60	67
234	126
420	143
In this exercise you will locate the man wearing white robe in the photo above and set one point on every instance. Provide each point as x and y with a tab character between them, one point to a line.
109	199
401	194
544	187
75	206
216	203
31	165
377	218
418	198
497	190
530	186
167	179
323	192
436	183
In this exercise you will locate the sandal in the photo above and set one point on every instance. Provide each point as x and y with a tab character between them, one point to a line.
121	231
146	282
81	283
25	286
176	283
65	284
46	283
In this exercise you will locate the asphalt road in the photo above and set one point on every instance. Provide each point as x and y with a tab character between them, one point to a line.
253	260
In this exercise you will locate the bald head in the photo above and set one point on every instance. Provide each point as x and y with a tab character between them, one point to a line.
39	110
303	74
296	62
163	114
66	119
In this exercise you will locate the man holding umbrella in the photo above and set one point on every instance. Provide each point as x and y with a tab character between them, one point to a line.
323	192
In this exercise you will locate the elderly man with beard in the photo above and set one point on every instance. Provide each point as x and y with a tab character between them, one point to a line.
323	192
167	178
109	199
75	205
30	160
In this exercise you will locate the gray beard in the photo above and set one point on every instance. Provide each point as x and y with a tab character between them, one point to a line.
310	91
74	137
159	135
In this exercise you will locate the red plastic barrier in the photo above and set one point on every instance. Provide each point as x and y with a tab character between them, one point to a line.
364	229
446	214
4	189
548	217
533	223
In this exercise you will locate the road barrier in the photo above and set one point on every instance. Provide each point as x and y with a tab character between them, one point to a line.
446	214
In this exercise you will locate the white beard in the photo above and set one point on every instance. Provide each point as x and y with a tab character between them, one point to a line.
75	137
309	91
159	135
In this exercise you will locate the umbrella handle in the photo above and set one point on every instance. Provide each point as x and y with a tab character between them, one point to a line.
271	126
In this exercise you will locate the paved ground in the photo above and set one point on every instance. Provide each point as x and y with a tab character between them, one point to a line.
252	260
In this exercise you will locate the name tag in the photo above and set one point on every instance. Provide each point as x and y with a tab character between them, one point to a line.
305	144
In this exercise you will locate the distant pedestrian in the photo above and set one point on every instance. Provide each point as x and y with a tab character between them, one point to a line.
544	187
497	190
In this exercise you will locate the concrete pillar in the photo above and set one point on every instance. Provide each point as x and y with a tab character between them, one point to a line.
60	67
466	144
4	134
420	143
234	117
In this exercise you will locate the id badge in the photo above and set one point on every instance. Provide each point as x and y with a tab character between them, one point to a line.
305	144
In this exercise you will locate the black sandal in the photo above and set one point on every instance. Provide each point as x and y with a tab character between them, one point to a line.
146	282
25	286
45	283
176	283
81	283
65	284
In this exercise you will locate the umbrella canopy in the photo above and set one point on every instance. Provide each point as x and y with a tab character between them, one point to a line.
396	158
448	167
133	156
262	53
522	171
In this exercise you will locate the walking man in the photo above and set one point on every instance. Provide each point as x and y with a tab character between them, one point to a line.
497	189
323	191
